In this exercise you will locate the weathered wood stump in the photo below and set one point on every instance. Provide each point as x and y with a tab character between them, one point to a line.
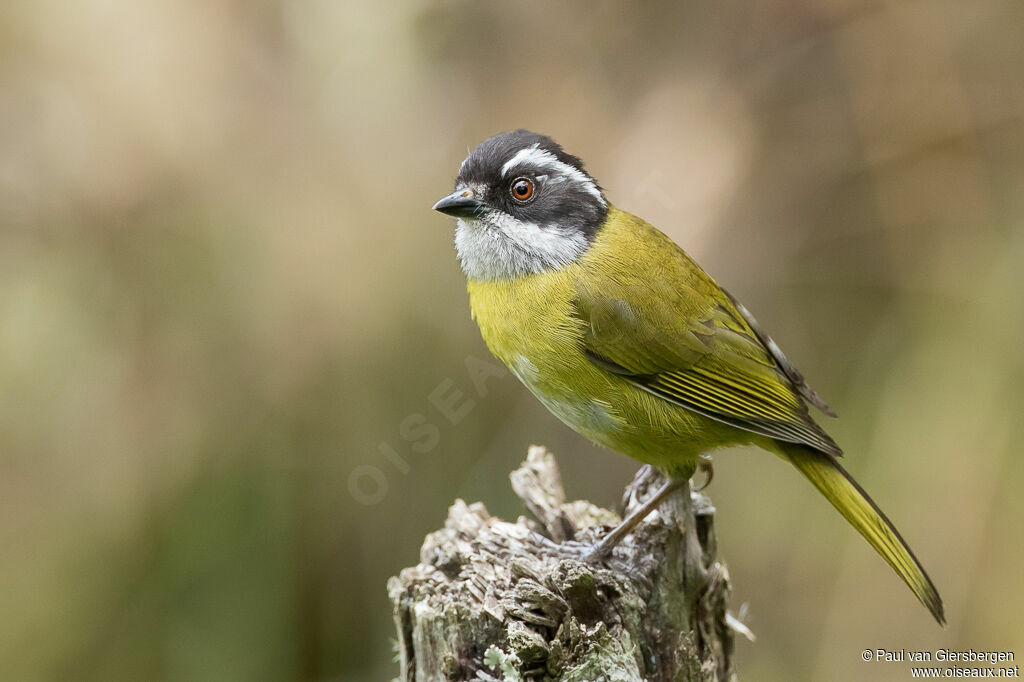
492	600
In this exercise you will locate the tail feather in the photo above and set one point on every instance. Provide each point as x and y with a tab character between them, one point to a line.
863	514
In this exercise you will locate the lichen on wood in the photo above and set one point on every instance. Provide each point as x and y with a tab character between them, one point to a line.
495	600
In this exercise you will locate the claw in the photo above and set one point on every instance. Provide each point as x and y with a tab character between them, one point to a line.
708	469
641	480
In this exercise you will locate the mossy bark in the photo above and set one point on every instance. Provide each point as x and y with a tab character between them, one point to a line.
494	600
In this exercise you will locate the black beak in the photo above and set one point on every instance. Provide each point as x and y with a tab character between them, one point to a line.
461	203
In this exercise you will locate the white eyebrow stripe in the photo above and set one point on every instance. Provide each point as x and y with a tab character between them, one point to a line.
545	159
531	153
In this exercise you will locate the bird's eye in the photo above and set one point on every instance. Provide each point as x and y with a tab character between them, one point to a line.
522	189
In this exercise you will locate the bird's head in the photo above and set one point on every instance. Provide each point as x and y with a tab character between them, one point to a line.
524	206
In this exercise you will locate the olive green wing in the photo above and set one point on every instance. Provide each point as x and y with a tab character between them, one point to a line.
694	347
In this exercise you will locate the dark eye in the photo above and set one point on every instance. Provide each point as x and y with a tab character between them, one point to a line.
522	189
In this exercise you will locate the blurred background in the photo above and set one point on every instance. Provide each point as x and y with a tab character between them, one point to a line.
224	301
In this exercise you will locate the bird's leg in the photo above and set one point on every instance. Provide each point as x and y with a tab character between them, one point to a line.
708	469
603	548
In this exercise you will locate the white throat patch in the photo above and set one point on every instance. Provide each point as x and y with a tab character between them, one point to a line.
497	246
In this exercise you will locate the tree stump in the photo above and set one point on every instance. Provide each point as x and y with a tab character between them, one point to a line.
492	600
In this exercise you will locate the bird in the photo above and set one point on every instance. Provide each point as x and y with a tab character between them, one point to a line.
623	337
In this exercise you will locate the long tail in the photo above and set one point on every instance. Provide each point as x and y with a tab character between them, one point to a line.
863	514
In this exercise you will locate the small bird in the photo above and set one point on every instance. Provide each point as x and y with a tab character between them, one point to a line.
620	334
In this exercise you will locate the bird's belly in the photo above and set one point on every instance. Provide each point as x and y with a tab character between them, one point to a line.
583	410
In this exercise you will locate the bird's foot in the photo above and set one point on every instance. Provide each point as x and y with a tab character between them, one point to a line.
645	477
708	469
599	551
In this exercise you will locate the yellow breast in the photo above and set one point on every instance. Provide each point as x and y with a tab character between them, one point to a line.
529	323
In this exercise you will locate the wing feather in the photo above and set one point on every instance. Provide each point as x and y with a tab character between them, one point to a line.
701	350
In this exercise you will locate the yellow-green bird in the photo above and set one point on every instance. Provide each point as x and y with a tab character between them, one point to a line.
628	341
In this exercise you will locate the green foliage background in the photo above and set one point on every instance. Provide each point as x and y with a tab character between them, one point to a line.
222	289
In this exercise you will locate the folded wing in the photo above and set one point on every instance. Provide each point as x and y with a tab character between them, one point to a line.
695	348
